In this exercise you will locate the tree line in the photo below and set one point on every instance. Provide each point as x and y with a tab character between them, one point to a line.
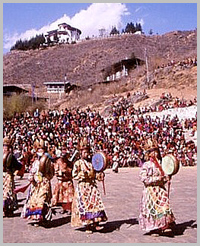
130	28
32	44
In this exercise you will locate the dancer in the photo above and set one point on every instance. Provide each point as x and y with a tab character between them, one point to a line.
156	216
10	165
87	206
64	188
37	206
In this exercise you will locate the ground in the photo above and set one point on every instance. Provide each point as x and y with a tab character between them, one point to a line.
123	194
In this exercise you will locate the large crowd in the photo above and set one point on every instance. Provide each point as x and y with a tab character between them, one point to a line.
121	136
47	143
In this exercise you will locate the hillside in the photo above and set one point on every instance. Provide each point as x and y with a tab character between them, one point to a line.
85	63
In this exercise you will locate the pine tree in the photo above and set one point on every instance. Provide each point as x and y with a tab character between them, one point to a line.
114	31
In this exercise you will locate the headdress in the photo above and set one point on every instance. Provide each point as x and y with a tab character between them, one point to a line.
7	141
84	144
151	145
40	144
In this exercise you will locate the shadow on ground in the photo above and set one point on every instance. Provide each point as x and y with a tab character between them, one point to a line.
177	229
57	222
114	225
180	228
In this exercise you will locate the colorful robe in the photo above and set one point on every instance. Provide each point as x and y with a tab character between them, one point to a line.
155	211
10	165
10	203
39	196
87	206
64	188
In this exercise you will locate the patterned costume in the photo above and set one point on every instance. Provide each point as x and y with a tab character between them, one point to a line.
64	188
10	165
87	206
155	211
9	198
39	196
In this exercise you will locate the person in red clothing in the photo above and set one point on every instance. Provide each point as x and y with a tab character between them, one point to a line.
64	189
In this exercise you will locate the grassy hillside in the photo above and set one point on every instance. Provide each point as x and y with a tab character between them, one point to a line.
85	64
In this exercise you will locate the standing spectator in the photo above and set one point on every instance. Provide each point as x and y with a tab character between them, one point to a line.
115	166
36	113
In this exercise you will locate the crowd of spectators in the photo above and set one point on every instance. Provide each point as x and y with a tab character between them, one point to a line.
185	63
166	102
121	136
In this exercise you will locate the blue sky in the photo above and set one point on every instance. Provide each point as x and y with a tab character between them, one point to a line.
25	20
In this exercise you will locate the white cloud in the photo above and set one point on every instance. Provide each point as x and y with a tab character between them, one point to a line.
99	15
141	21
138	9
89	21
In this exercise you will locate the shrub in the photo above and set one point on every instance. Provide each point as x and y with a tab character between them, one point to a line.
19	104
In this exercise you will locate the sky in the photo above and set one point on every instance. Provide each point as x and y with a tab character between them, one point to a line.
26	20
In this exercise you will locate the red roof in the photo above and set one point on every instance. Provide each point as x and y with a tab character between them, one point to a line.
70	27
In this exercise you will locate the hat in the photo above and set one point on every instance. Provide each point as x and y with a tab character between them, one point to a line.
40	144
150	145
83	144
6	141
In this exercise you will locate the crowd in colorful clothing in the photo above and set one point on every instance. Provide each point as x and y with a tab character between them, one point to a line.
185	63
121	136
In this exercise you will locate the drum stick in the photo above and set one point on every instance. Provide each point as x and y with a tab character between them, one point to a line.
169	183
74	154
104	190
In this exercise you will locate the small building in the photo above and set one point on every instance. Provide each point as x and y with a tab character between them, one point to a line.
121	69
64	34
12	89
9	90
58	86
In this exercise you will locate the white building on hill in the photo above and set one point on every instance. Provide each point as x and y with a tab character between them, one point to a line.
56	87
64	34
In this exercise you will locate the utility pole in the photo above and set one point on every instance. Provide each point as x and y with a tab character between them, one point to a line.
147	67
49	100
65	80
33	92
95	64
